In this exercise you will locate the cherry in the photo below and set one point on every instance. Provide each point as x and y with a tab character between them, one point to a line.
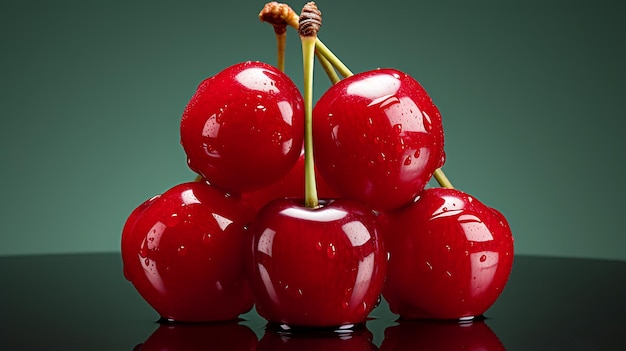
183	252
450	256
229	336
243	128
317	267
378	137
315	340
441	336
315	264
292	185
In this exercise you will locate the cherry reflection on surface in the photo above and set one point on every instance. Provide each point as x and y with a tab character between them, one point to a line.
227	336
441	336
275	339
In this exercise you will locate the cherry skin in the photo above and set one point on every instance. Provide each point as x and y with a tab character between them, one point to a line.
450	256
378	138
292	186
244	127
183	252
321	267
227	336
441	336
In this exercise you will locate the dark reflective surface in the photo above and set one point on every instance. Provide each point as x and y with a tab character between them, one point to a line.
72	302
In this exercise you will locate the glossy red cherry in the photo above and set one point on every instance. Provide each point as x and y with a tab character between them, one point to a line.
441	336
292	185
244	127
378	138
315	340
319	267
450	256
229	336
183	252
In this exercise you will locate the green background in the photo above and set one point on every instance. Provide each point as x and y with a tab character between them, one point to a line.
531	93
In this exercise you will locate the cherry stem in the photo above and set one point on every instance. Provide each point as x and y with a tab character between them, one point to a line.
309	22
281	44
328	68
442	179
334	60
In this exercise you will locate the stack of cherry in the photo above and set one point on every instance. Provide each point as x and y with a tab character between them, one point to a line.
244	233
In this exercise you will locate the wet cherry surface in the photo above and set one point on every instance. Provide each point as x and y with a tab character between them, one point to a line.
182	252
450	256
78	301
316	267
378	137
250	103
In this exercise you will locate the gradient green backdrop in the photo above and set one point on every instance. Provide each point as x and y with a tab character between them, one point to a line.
532	95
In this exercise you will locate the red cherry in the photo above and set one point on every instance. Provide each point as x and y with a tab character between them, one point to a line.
229	336
292	185
244	127
441	336
450	256
378	138
319	267
314	340
183	252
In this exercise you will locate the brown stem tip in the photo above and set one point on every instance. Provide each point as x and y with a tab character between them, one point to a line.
310	20
279	15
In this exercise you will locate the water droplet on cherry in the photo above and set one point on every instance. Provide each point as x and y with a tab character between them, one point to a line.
206	238
363	307
442	161
277	137
143	250
331	251
407	161
400	146
397	128
182	250
172	221
483	258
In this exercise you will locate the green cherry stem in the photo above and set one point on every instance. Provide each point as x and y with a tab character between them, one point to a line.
334	60
328	67
310	21
442	179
